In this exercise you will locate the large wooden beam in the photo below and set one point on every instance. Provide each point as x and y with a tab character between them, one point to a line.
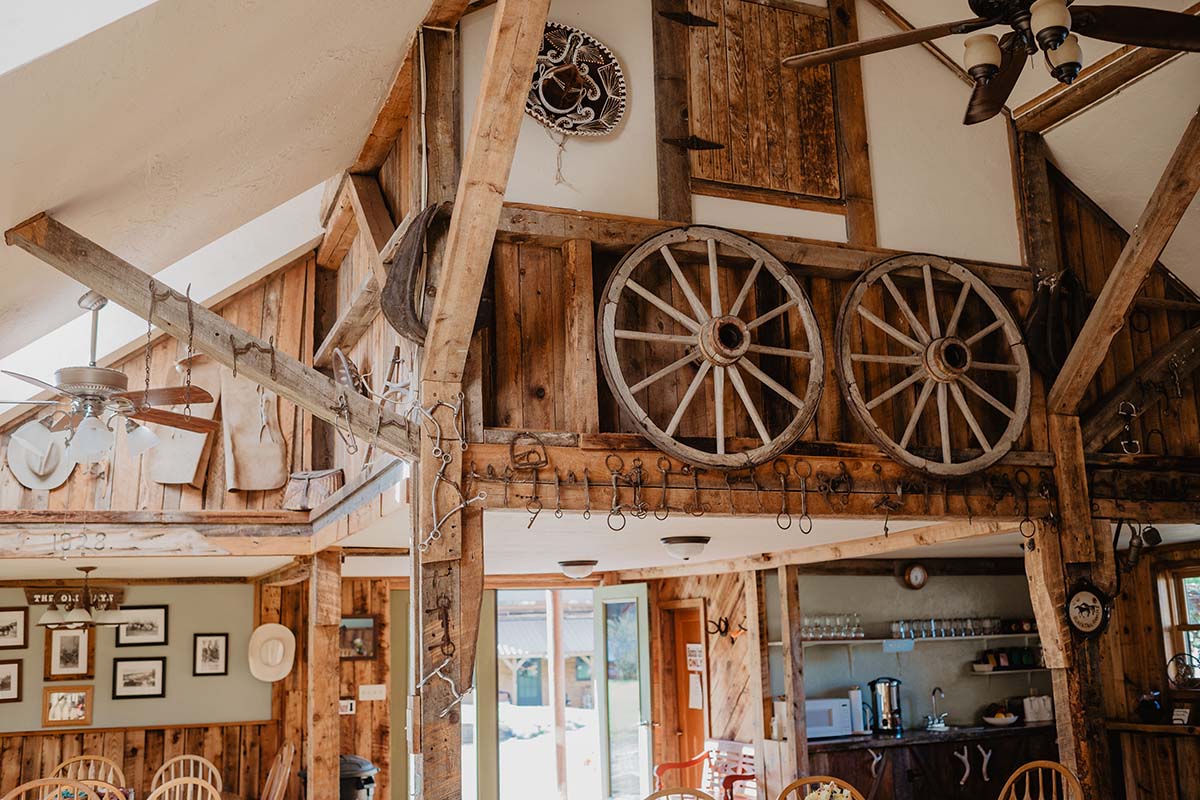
129	287
512	50
1171	197
795	723
1039	224
1097	81
671	110
322	743
352	323
852	138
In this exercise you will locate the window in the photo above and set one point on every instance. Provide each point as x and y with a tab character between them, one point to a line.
1185	611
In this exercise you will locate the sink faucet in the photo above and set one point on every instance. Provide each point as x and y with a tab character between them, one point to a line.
936	721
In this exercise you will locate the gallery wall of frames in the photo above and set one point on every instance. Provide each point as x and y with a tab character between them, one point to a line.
180	659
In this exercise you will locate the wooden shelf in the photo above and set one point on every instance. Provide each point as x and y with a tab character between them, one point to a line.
1161	730
928	640
996	672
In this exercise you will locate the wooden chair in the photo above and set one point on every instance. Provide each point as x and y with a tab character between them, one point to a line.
800	787
93	768
186	789
277	779
679	794
188	767
1050	779
725	764
110	791
48	789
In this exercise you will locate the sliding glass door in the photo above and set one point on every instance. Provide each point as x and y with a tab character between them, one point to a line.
623	690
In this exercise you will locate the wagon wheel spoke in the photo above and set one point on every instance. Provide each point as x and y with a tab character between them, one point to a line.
735	377
895	390
989	366
772	314
687	398
987	397
714	286
922	400
943	422
786	352
665	307
688	292
664	372
651	336
959	305
736	308
719	406
935	327
978	336
972	423
771	383
907	341
870	358
906	310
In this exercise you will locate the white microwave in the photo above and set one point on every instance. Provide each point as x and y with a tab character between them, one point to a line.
825	718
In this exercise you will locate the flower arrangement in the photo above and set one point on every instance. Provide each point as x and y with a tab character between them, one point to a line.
828	791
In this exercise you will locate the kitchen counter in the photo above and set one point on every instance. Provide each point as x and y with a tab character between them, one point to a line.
920	736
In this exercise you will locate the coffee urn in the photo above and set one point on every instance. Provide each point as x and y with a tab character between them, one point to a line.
885	696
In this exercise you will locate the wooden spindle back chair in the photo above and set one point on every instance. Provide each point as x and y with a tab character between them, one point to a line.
802	786
188	767
1042	780
281	771
48	789
186	789
93	768
679	794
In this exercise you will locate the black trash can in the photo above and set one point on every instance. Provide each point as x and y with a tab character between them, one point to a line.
357	778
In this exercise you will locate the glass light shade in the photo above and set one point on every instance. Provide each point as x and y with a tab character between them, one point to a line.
577	570
685	547
139	438
110	616
91	441
981	49
1069	52
52	618
35	438
1049	14
78	617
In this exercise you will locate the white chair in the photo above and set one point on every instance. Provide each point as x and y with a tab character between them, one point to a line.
93	768
728	769
277	779
186	789
188	767
48	789
1050	779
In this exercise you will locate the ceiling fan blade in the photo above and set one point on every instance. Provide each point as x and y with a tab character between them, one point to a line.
987	100
30	403
167	396
173	420
892	42
33	381
1144	27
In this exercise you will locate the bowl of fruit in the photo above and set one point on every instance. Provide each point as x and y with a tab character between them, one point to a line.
998	716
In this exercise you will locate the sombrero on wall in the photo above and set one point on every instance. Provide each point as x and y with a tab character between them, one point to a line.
578	86
40	471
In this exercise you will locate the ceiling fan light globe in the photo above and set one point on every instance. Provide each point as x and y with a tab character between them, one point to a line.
981	55
37	439
139	438
577	570
1051	22
1066	60
92	440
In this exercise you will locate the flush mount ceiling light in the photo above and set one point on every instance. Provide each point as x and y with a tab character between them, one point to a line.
577	570
685	548
93	607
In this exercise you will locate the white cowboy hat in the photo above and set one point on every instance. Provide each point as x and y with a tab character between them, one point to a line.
272	650
40	472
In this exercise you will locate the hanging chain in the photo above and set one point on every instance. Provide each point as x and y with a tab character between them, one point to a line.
187	378
156	297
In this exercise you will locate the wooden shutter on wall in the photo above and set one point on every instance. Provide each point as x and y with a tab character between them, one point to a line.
775	125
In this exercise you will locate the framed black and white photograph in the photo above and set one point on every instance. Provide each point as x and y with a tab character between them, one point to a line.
210	654
146	625
10	681
14	627
139	677
70	655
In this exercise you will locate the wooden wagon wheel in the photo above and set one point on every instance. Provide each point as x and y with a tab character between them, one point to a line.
978	380
755	330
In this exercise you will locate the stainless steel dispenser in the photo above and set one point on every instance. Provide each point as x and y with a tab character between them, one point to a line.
885	696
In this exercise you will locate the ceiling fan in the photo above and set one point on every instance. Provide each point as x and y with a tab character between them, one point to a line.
995	63
89	400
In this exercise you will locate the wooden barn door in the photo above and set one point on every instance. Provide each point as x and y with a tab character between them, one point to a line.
691	698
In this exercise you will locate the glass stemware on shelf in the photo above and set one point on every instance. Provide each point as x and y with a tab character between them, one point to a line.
945	627
832	626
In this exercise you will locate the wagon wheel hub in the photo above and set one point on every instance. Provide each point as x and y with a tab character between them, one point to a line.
724	340
946	359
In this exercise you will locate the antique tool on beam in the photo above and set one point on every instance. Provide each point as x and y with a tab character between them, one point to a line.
805	523
783	519
399	291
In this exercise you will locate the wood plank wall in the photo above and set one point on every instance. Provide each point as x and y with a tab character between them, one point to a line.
368	732
279	306
288	606
1165	767
242	751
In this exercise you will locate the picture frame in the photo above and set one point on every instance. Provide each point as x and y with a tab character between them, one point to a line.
12	683
139	678
14	627
210	654
70	654
67	706
358	638
147	626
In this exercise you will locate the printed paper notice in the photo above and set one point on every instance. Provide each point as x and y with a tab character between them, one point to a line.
695	691
695	657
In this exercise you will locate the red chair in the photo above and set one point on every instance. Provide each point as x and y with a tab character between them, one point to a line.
728	770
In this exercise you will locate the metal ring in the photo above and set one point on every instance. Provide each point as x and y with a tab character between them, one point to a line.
796	467
805	524
782	515
620	462
619	516
666	512
779	462
1139	314
1028	528
664	464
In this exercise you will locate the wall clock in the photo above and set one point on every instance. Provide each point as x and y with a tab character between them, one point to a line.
916	576
1088	609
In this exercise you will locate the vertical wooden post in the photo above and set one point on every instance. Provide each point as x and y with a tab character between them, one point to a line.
795	727
582	388
1039	231
324	615
671	111
854	155
759	683
558	686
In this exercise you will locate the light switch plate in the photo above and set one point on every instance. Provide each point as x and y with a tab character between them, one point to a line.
372	691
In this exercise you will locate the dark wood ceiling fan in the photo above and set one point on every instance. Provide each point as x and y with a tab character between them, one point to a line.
1052	26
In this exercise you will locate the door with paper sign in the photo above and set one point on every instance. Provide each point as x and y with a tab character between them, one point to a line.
691	691
623	690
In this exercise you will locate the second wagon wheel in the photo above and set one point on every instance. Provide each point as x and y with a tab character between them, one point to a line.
933	364
711	347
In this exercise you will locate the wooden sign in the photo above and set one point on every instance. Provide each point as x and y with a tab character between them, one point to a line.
62	596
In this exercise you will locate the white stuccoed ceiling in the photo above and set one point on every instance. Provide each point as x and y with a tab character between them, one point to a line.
167	128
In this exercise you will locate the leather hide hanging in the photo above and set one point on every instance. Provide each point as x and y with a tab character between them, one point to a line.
1055	318
255	450
578	86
